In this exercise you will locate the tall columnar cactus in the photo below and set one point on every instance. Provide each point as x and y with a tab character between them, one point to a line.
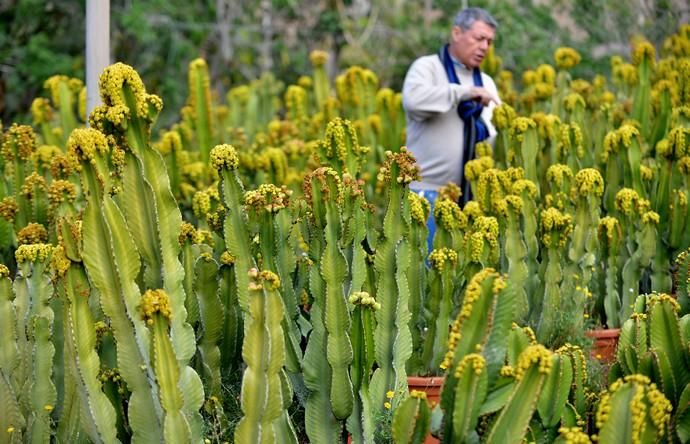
516	252
64	93
486	298
670	195
643	56
530	227
416	408
470	392
556	228
450	225
587	190
417	275
98	414
37	392
200	104
526	146
533	368
610	241
392	262
331	396
439	304
340	148
682	280
322	87
633	410
361	423
152	215
263	388
224	159
271	220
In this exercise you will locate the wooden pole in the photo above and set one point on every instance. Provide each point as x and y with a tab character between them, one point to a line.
97	48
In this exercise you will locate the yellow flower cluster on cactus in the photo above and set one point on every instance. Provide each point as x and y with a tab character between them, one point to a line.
41	111
647	403
629	203
59	261
329	184
4	271
520	126
18	142
224	157
448	215
440	256
676	145
548	125
33	233
615	140
419	208
155	301
573	435
198	74
111	84
318	58
475	167
472	293
405	165
84	144
533	354
610	229
503	116
642	50
296	102
525	186
33	253
556	227
588	182
623	73
8	208
473	361
566	58
43	156
658	298
52	84
364	299
263	279
484	233
32	183
559	175
570	140
267	197
572	101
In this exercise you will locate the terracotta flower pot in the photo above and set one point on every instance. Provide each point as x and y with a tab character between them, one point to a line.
605	343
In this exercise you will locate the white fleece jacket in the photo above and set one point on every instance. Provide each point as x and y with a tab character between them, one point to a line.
435	132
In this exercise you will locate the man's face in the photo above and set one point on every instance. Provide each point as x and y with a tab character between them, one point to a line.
470	46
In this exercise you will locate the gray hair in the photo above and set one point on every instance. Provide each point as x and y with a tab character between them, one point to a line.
466	18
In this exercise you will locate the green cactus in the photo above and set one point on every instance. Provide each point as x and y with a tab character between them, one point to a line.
682	280
263	387
643	56
17	147
525	139
412	420
200	104
392	337
470	393
322	88
633	410
610	240
64	93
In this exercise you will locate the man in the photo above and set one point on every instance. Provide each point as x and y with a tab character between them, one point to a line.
448	103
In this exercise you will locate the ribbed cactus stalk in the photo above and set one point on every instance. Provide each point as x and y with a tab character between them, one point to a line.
361	423
439	304
64	93
152	215
263	387
670	196
483	323
417	276
356	89
633	410
682	280
525	140
450	225
533	368
268	213
556	228
502	119
610	241
236	235
571	145
322	87
200	104
516	253
42	114
340	149
482	248
643	55
211	317
38	395
555	393
331	396
587	190
113	269
530	227
392	262
565	59
415	431
663	90
470	392
389	108
156	312
99	416
578	389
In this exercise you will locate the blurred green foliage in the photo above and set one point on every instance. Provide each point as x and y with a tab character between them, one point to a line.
239	40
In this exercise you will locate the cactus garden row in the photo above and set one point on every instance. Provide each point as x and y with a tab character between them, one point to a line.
259	272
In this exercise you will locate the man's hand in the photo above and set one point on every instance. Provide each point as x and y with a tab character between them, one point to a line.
483	95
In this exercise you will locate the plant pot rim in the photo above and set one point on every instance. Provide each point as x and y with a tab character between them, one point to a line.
603	333
425	380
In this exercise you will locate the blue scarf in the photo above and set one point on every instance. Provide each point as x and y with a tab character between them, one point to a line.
470	112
